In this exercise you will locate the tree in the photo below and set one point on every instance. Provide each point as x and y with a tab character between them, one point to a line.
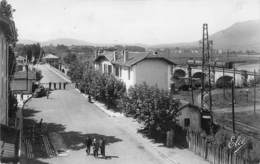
6	9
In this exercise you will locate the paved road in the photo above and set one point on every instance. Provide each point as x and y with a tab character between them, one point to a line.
50	74
73	117
70	114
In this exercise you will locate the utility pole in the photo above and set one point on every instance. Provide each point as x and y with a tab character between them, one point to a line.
205	68
254	91
233	106
191	84
223	83
234	75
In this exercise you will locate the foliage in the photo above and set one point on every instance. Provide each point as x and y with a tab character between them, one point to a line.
70	58
156	108
12	105
11	62
103	87
38	75
30	51
6	9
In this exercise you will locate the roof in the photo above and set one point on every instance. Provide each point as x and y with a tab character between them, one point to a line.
50	56
20	58
23	75
132	58
109	55
186	104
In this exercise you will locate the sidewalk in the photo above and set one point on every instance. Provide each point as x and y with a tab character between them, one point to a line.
172	155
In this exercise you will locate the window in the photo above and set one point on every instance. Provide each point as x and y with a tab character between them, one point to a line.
105	68
186	122
129	73
117	71
109	69
120	71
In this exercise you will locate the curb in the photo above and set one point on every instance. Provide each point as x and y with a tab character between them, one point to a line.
102	107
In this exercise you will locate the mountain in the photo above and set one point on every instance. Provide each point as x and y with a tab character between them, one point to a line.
66	41
240	36
26	41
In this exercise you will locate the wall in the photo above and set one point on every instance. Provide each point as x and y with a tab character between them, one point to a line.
21	85
153	72
125	76
3	80
193	114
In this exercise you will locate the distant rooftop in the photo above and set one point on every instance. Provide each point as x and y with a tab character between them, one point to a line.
50	56
132	57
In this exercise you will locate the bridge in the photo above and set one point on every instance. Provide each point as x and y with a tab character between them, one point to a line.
219	76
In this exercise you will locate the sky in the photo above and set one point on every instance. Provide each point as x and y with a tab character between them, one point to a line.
128	21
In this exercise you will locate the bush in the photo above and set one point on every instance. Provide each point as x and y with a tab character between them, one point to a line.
103	87
156	108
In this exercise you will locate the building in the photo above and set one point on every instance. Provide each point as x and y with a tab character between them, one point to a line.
136	67
52	60
7	37
189	117
9	136
23	81
20	60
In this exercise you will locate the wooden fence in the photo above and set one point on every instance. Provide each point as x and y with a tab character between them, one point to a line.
214	153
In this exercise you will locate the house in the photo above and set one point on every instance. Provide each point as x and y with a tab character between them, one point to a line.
7	37
136	67
9	136
189	117
193	117
23	82
52	60
20	60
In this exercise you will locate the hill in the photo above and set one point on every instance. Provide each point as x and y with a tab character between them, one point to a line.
240	36
66	42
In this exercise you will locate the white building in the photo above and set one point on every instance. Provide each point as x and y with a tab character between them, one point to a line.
136	67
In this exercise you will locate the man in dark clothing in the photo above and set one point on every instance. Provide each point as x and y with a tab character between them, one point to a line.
95	147
88	144
102	147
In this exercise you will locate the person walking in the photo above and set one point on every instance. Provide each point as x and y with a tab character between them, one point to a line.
47	93
95	147
102	147
88	144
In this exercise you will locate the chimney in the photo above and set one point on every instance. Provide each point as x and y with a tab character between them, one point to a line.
114	56
125	55
97	53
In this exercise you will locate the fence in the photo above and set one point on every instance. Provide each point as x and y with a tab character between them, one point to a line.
214	153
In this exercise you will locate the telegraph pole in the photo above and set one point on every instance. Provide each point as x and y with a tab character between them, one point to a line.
191	84
254	91
223	83
205	67
233	106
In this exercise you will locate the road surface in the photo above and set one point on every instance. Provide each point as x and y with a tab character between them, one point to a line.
71	115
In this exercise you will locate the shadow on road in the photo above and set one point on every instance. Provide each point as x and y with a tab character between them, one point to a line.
73	140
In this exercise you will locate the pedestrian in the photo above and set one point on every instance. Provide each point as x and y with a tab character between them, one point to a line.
102	147
95	147
88	144
89	98
47	93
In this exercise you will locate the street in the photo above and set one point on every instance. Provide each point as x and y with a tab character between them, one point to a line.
69	113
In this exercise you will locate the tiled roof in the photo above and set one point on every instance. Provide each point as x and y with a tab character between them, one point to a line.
132	57
23	75
109	55
135	57
50	56
20	58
